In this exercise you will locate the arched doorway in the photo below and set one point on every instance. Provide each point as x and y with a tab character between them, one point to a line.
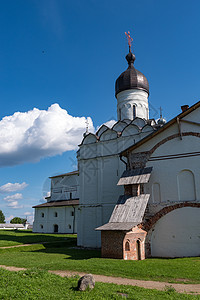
138	250
55	228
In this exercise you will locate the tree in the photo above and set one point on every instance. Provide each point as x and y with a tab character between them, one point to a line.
2	217
17	220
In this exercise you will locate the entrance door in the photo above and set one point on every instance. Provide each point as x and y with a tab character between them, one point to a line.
138	250
55	228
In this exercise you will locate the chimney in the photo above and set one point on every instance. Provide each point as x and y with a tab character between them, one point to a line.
184	107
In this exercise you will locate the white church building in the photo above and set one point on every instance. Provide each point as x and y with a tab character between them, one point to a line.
137	184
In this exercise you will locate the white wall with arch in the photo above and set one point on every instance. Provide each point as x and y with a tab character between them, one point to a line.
177	234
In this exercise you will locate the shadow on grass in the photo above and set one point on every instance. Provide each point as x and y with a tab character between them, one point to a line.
27	237
70	250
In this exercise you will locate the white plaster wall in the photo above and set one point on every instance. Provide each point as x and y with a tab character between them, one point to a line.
64	219
62	186
127	99
177	234
167	172
100	169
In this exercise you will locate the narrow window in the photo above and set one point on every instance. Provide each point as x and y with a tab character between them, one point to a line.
134	112
119	113
127	246
70	195
55	214
41	226
42	215
69	226
72	213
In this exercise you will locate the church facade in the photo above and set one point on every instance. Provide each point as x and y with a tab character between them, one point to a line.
137	186
99	163
158	215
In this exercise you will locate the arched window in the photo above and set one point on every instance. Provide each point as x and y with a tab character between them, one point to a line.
186	186
134	112
42	214
41	226
127	246
55	228
55	214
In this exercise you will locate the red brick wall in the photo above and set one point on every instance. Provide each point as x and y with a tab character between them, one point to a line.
112	244
132	238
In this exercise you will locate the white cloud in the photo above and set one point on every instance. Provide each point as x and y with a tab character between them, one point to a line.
32	135
13	197
27	213
12	200
12	187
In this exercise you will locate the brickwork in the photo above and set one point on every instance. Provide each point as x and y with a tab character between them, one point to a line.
112	244
167	209
122	245
138	160
148	225
136	241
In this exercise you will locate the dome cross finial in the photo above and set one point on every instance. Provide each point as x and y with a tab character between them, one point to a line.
129	38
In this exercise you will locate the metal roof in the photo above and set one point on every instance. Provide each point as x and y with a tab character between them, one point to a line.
135	176
58	203
129	209
131	78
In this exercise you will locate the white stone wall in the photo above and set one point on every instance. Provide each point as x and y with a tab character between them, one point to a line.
175	179
129	98
45	219
100	169
177	234
64	187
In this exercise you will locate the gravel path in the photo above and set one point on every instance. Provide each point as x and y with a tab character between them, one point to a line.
181	288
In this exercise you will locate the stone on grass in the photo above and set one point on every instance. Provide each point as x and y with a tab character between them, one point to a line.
86	281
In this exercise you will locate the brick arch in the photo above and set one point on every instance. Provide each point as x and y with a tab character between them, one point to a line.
149	224
171	137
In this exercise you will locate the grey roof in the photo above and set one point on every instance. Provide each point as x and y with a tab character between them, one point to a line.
135	176
58	203
66	174
117	226
129	209
128	213
5	225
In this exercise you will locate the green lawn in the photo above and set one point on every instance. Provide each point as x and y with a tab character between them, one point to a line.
18	237
38	284
63	256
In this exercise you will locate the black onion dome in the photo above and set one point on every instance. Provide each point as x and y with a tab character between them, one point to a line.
131	78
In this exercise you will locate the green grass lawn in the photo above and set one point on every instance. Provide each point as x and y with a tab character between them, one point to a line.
63	256
18	237
38	284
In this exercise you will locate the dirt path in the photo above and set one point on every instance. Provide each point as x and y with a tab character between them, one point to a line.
180	288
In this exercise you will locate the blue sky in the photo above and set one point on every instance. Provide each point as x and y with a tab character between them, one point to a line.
62	58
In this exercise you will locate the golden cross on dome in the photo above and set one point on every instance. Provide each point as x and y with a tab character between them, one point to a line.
129	38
